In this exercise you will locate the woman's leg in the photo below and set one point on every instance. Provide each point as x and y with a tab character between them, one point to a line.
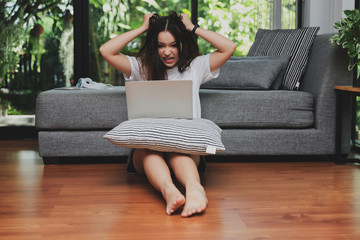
153	165
185	169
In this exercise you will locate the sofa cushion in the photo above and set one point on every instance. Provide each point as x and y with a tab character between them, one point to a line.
250	73
191	136
293	42
105	109
258	109
81	109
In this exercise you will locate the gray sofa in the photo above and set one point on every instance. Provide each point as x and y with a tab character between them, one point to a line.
71	123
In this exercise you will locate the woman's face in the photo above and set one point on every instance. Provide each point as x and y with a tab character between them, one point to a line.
167	50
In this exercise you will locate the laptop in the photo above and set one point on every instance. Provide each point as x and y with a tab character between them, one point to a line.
159	99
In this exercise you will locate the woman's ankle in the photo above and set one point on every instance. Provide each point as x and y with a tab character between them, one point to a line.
194	184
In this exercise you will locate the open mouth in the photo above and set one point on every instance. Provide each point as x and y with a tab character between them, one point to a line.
169	60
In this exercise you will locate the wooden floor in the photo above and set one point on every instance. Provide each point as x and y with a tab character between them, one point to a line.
272	200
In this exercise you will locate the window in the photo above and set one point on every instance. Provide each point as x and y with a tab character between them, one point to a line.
239	19
236	19
36	54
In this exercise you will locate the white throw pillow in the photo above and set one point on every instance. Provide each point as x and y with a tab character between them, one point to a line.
195	136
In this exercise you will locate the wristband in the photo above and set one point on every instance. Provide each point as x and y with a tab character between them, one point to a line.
195	27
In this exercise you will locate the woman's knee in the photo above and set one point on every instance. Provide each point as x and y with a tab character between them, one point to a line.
172	156
140	155
138	161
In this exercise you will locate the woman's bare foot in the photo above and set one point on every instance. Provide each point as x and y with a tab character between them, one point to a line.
174	199
196	200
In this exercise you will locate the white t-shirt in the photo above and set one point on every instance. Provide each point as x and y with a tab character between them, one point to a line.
198	72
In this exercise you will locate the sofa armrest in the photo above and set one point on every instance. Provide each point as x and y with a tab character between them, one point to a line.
327	67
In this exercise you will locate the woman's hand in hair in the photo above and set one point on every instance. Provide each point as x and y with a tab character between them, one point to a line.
110	50
224	46
187	21
146	21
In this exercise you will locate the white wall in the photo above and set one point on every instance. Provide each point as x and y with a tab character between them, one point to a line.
324	13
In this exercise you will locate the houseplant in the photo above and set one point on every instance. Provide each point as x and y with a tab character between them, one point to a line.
348	37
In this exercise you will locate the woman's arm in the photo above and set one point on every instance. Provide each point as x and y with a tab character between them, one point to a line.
224	46
111	49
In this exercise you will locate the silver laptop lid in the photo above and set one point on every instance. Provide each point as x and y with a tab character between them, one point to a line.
159	99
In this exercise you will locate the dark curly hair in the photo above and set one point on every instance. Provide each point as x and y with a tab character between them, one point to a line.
152	67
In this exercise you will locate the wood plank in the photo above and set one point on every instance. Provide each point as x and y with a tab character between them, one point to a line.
269	200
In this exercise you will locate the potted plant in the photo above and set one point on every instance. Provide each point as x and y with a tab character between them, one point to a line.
348	36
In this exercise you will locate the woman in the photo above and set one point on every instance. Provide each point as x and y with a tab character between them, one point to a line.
170	52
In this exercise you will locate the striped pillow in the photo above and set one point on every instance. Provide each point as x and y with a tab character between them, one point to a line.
293	42
196	136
